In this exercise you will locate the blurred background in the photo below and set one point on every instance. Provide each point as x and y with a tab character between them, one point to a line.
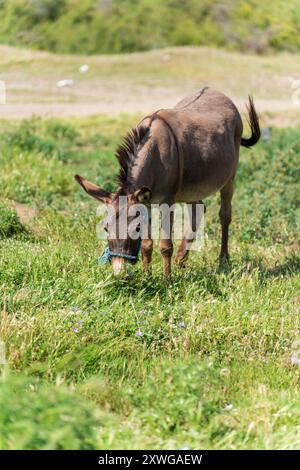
71	57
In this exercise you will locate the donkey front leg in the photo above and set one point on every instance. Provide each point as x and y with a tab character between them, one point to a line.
166	244
147	249
166	249
147	243
225	218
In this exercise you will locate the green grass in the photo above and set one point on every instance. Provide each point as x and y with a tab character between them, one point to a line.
213	368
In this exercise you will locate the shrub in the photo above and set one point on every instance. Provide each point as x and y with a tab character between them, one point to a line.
10	225
93	26
35	416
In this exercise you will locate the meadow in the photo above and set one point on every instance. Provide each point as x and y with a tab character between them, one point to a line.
217	363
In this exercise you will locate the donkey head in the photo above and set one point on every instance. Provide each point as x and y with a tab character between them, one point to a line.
124	224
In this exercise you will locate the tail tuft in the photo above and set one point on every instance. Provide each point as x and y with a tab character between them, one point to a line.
254	126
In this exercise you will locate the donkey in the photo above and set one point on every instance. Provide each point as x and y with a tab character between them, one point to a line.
183	154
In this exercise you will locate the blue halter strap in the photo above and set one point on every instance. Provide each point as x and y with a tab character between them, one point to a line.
108	254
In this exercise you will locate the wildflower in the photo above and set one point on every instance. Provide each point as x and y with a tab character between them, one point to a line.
225	372
74	329
228	407
79	323
139	333
143	312
182	324
295	358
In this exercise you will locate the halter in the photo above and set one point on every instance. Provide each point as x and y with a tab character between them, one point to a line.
107	255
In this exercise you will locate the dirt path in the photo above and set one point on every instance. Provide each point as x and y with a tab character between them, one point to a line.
112	107
273	112
143	82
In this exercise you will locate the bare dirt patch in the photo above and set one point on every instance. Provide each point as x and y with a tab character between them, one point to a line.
25	213
143	82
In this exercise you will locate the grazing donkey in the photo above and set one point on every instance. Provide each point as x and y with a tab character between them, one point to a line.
182	154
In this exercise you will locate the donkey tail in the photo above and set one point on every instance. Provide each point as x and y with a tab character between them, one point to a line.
253	122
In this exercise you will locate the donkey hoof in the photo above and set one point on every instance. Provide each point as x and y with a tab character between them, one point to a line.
224	260
180	262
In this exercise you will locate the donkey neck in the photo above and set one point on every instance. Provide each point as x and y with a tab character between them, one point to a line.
141	172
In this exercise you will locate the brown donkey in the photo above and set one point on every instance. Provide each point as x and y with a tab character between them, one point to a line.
182	154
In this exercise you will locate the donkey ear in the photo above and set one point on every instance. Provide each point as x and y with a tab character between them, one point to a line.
93	190
143	195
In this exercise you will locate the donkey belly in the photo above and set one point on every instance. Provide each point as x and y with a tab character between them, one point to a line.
204	173
209	133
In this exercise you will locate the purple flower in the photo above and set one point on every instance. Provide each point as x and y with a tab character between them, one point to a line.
139	333
295	358
79	323
143	312
74	329
182	324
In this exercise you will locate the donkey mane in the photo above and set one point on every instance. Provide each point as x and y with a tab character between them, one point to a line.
127	152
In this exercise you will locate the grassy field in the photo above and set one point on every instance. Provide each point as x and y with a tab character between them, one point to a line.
217	365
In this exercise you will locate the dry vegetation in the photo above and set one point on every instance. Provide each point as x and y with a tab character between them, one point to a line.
141	82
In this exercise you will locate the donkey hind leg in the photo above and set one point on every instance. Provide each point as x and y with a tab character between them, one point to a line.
225	218
190	234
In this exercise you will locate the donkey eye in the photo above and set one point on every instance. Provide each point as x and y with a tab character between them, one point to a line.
138	229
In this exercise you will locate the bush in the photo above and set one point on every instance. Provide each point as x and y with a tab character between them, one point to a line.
93	26
10	225
35	416
29	137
